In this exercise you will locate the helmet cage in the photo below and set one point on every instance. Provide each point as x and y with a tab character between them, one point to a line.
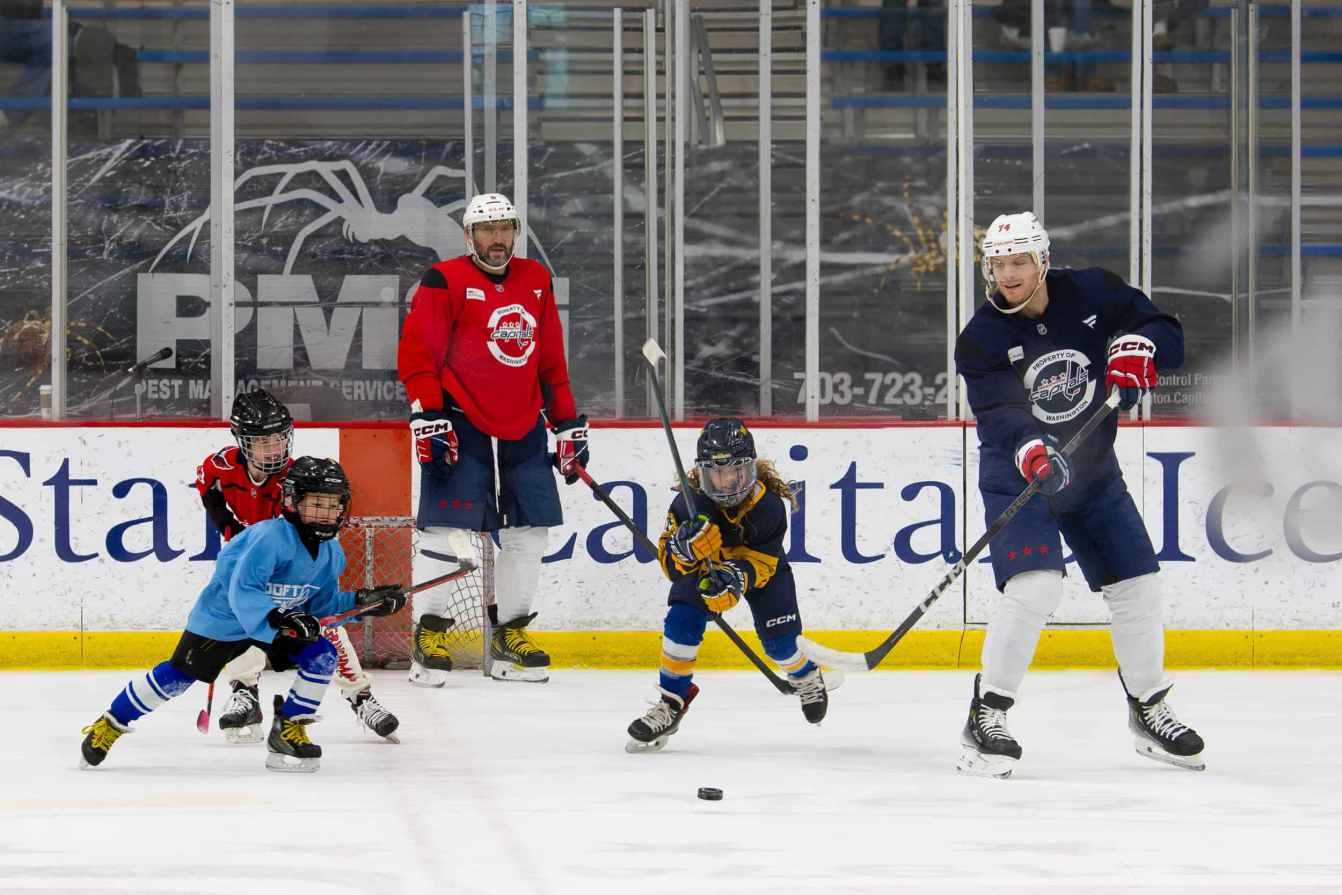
269	464
295	488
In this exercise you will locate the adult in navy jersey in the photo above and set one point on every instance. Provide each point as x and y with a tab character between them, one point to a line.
240	486
1037	359
725	547
482	357
270	586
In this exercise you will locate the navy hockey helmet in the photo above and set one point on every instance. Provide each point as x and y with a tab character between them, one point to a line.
726	458
316	475
264	430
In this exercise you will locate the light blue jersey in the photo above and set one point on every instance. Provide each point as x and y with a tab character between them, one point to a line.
267	567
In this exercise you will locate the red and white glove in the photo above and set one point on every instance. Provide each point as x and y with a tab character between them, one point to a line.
436	445
1132	368
571	447
1039	462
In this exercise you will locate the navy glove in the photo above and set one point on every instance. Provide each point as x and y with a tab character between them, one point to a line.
571	447
723	587
1041	462
435	442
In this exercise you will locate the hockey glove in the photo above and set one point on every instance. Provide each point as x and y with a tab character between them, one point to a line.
1132	369
723	587
695	541
295	624
435	442
571	447
386	599
1039	462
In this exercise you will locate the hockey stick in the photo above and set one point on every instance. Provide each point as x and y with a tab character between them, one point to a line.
326	621
652	353
782	686
873	657
203	719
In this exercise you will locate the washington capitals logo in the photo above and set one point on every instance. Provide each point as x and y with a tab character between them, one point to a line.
1059	385
512	335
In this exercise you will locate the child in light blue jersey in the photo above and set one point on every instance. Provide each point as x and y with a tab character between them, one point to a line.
271	585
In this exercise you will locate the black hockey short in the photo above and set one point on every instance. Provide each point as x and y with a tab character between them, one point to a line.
202	658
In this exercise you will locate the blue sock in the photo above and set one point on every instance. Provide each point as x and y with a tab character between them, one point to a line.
783	650
316	663
142	695
682	632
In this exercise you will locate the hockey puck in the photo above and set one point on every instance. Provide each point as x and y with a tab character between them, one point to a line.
710	794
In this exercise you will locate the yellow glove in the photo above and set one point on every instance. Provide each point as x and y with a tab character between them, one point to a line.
723	587
695	541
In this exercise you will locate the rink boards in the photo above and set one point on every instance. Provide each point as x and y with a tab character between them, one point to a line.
103	543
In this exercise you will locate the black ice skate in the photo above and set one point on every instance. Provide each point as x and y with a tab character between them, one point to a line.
241	721
99	737
650	733
430	657
1159	735
988	747
514	656
374	716
288	743
813	694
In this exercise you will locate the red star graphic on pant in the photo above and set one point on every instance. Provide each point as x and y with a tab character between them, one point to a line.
1027	551
1011	555
1043	549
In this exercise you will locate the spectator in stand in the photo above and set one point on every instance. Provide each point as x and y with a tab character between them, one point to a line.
912	25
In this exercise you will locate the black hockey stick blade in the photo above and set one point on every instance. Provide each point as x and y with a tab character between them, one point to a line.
824	655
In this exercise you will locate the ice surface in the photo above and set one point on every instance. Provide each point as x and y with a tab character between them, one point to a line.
507	788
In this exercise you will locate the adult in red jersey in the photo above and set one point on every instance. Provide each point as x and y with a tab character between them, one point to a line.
241	486
482	359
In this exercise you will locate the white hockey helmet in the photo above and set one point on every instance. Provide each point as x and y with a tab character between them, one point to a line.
486	208
1013	234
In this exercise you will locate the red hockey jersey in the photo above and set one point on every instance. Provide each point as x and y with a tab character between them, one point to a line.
230	496
494	343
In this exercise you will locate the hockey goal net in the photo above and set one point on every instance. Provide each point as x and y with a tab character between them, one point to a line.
381	550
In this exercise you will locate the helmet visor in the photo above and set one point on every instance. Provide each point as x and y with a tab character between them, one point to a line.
729	482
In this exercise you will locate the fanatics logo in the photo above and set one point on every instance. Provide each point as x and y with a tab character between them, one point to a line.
512	335
1090	321
538	293
473	294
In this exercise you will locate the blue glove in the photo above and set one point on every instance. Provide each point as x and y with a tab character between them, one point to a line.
723	587
571	447
435	442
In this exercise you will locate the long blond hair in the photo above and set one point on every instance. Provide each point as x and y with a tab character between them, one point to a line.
765	472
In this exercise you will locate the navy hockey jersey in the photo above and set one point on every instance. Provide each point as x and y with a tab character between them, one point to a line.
1028	377
752	536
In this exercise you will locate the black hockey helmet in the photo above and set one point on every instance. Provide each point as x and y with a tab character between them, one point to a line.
315	475
726	458
256	420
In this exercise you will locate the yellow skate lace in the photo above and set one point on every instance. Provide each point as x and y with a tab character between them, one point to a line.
434	643
516	640
104	734
295	732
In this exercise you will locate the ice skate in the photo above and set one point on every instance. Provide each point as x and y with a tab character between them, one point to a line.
99	737
420	676
987	747
514	656
650	733
814	695
241	721
1160	736
374	716
289	748
430	644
